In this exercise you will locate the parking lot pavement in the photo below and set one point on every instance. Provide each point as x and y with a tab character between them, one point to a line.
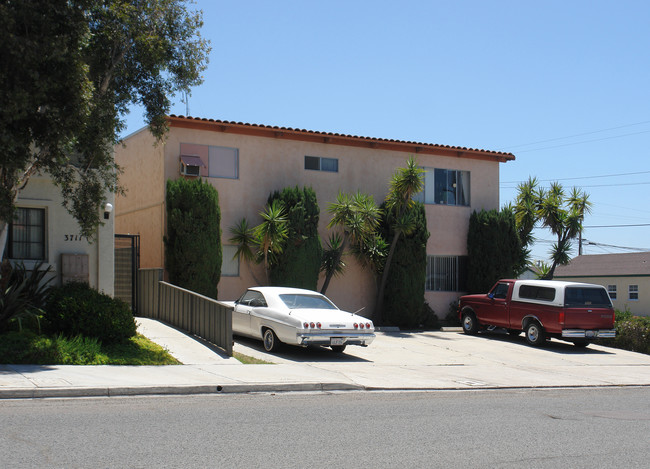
433	360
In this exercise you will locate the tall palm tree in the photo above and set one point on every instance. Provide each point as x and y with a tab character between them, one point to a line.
357	216
404	184
562	215
271	233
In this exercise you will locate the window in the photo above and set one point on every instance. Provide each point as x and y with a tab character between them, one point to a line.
611	289
223	162
445	187
532	292
446	273
500	291
583	296
252	298
633	292
229	263
27	234
317	163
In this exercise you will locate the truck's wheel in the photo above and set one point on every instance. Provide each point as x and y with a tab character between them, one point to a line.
470	324
535	334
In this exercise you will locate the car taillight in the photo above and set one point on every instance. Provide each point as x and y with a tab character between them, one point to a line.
318	325
361	326
312	325
306	325
356	326
367	325
561	319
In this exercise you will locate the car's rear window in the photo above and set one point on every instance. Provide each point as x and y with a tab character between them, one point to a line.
294	301
534	292
585	296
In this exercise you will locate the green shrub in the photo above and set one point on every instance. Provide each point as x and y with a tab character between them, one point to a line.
632	334
299	262
493	248
193	252
404	292
77	309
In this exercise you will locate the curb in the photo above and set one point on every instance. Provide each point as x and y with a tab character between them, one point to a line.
122	391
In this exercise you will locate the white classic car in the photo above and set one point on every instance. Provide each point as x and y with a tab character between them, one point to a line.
298	317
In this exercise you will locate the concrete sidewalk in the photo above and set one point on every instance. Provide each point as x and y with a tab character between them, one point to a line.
395	361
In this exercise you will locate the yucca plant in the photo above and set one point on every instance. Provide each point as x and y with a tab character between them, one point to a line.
23	293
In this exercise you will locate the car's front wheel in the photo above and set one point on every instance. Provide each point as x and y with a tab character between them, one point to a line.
470	324
271	341
535	334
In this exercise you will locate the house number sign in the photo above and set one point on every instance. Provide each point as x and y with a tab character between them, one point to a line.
76	237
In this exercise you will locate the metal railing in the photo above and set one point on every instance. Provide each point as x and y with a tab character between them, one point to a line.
197	314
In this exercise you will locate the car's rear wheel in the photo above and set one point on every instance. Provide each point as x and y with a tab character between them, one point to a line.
271	341
470	324
535	334
337	348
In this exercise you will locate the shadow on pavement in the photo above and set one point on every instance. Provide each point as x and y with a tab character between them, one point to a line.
553	345
304	354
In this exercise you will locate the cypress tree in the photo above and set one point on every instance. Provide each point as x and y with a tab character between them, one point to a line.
193	243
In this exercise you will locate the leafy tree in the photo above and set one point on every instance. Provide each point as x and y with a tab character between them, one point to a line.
404	292
563	214
357	217
404	184
494	249
298	264
70	69
193	242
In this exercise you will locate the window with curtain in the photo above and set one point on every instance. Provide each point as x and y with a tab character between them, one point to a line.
445	187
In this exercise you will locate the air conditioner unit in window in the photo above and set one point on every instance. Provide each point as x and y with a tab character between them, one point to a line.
190	170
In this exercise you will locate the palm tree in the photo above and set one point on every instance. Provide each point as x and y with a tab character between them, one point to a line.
244	238
564	218
358	217
271	233
404	184
562	215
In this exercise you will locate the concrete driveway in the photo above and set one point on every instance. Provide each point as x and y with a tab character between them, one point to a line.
436	360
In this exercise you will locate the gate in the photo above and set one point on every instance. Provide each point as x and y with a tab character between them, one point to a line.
127	263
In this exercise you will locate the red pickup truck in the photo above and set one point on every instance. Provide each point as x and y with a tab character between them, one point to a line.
577	312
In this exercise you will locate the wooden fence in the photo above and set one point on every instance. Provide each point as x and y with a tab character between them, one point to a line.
197	314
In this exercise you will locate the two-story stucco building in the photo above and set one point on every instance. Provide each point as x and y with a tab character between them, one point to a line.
246	162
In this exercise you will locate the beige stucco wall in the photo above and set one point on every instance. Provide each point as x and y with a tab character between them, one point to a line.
141	210
640	307
63	234
269	164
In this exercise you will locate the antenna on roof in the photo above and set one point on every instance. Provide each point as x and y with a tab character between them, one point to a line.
186	99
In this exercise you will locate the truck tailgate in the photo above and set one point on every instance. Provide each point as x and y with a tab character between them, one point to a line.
589	318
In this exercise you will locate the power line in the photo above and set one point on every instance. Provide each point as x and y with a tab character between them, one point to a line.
585	141
583	177
616	226
575	135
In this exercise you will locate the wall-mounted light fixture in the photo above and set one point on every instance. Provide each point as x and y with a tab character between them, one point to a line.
108	208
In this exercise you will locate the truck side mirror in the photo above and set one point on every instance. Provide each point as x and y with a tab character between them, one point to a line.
491	296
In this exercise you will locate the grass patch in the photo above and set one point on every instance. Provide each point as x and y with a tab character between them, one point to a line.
29	348
246	360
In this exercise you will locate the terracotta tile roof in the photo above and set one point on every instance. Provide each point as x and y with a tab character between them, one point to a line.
335	138
606	265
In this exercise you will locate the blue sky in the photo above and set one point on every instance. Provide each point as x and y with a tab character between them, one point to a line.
565	86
